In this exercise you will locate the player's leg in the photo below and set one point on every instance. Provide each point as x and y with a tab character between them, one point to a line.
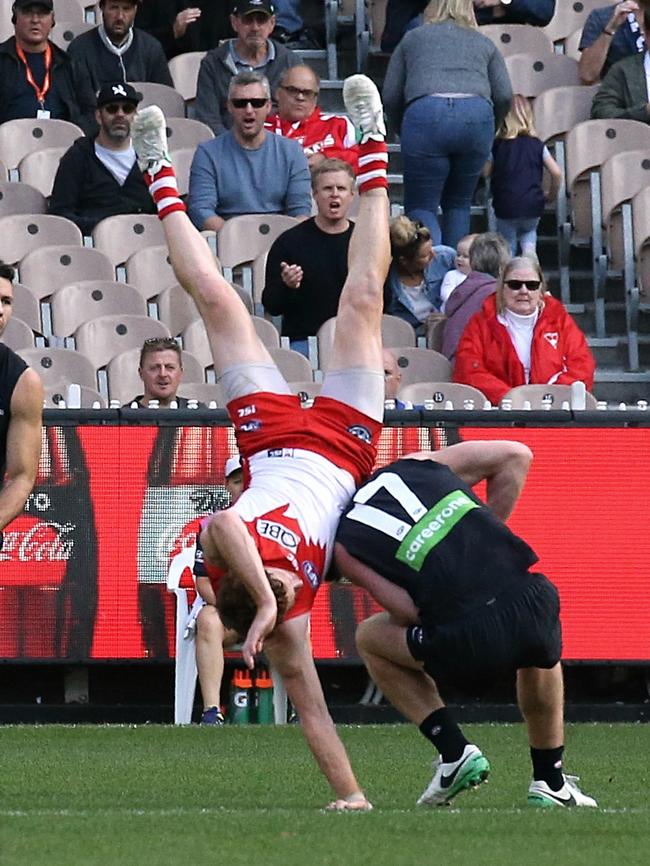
229	326
211	637
357	338
384	648
540	694
289	651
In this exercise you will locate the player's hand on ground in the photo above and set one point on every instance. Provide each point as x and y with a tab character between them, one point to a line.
356	803
291	275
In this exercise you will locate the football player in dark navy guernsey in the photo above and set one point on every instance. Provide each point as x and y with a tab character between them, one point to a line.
461	605
21	408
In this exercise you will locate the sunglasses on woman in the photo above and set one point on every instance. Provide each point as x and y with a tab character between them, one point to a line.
531	285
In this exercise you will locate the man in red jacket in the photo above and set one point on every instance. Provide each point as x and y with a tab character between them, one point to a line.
522	336
323	136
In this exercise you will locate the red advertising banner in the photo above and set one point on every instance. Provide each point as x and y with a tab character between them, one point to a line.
83	569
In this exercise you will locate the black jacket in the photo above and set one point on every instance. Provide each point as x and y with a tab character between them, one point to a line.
144	61
86	192
68	81
157	18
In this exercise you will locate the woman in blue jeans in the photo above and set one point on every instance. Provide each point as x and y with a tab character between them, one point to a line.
447	88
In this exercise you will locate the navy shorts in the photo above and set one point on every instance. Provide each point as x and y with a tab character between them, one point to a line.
518	629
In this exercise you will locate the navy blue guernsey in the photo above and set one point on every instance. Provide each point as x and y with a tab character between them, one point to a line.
12	367
419	526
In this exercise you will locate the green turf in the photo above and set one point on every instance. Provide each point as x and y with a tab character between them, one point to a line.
84	796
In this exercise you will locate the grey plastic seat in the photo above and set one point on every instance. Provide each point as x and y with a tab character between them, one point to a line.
441	393
167	98
56	365
26	134
22	233
120	236
422	365
20	198
539	396
518	39
80	302
56	395
531	74
293	366
184	69
26	307
104	338
395	332
18	335
185	131
46	269
39	168
68	29
569	15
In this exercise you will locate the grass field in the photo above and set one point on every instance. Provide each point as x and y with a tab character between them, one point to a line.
84	796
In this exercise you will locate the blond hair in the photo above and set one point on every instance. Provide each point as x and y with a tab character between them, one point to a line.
519	120
406	236
461	12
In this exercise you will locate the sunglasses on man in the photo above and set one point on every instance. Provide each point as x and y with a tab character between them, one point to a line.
257	102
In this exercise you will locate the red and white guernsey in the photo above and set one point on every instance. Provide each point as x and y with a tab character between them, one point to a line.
295	495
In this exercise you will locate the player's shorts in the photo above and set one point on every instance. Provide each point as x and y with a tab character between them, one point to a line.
519	629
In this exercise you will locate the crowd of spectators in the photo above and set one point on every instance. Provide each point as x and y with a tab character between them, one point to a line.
275	151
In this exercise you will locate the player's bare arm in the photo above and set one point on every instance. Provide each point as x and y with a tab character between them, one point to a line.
289	650
391	597
23	445
205	590
502	464
226	539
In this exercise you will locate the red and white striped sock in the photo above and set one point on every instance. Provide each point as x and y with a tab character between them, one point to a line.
164	191
373	165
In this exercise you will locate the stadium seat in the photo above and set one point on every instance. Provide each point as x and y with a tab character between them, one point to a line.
182	161
558	109
124	383
441	393
39	168
20	198
569	16
185	131
267	332
80	302
24	135
184	70
540	396
4	171
395	332
56	365
204	392
422	365
243	238
571	44
518	39
18	335
122	235
176	309
66	29
47	268
195	340
26	307
150	270
170	100
22	233
293	366
103	339
531	74
588	145
56	394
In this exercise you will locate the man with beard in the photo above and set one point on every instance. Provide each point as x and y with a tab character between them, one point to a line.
99	178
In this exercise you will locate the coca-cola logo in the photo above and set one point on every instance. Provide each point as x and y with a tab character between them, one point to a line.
43	541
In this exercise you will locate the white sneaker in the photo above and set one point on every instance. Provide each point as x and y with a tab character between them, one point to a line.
539	794
450	779
363	104
149	137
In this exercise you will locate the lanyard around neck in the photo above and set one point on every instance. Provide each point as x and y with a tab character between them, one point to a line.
41	92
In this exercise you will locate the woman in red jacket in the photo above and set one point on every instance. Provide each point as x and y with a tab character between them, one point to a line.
522	335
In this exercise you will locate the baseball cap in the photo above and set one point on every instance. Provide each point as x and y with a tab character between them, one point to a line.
20	4
116	91
232	465
247	7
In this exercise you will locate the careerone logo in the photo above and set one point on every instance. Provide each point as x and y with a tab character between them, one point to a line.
430	530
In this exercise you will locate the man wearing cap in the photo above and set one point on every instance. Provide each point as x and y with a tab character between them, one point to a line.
38	79
98	177
117	51
252	49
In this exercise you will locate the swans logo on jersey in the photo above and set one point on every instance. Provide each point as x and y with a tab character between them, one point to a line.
309	570
278	533
361	433
552	337
250	426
